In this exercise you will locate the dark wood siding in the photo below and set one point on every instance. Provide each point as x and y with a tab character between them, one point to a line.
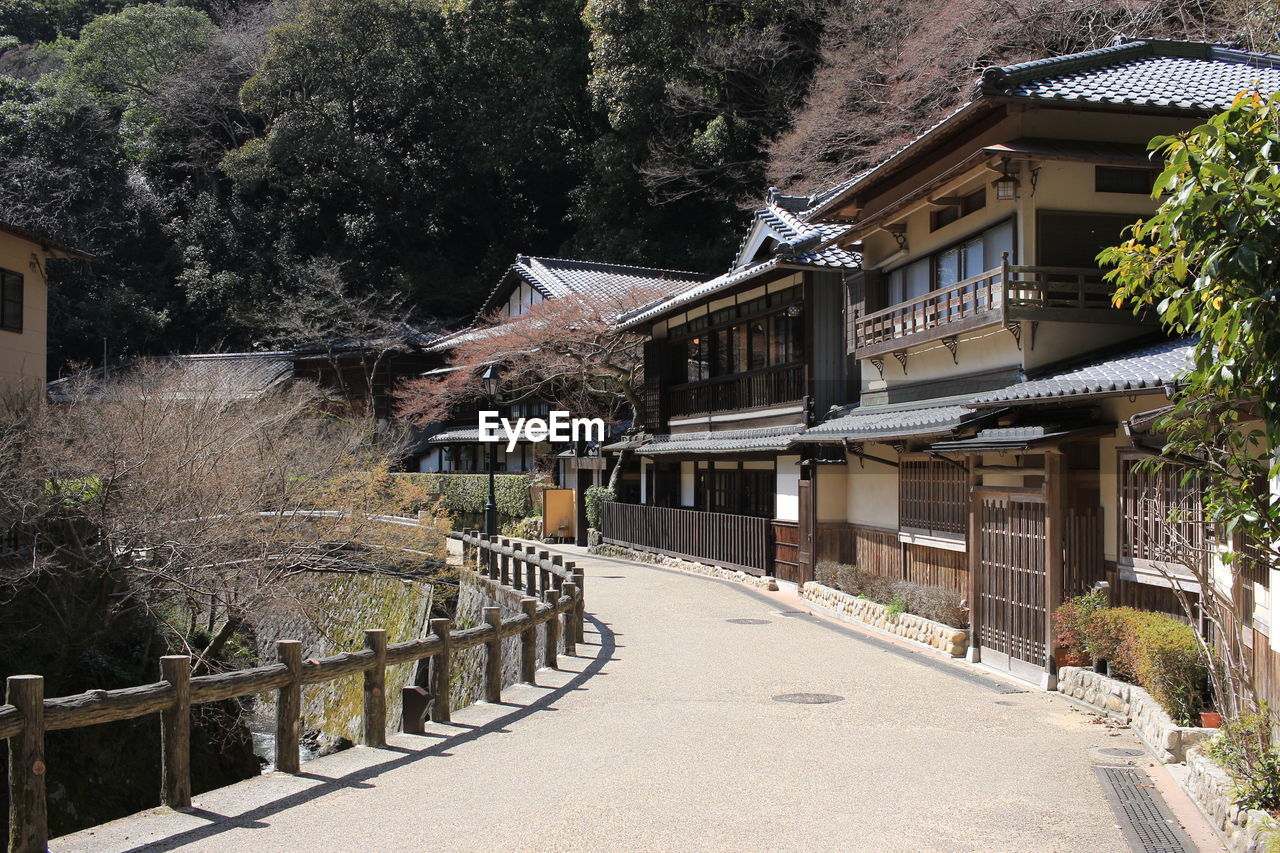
654	415
825	308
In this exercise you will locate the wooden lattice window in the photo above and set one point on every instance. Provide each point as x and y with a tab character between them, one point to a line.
933	497
1161	514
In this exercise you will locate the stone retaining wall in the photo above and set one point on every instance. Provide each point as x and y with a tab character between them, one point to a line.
683	565
1242	830
953	641
1134	706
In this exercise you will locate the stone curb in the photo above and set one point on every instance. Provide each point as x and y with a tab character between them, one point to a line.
1210	788
759	582
1134	706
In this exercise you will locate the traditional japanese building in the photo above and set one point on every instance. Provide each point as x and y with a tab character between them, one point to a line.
964	403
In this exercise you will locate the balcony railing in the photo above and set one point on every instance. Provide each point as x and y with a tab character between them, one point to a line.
765	387
998	295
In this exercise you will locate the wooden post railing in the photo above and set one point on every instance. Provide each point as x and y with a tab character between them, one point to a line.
27	714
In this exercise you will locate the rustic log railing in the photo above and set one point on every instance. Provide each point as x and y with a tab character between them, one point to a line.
734	541
27	715
766	386
1002	294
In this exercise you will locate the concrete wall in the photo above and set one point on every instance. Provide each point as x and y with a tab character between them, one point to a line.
24	355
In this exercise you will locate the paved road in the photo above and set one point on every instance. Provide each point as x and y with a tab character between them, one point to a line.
664	735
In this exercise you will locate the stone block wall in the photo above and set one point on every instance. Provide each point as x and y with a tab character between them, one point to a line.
684	565
953	641
1242	830
1131	704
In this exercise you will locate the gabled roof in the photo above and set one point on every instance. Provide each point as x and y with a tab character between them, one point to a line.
557	277
1149	72
235	375
50	245
1148	369
1179	77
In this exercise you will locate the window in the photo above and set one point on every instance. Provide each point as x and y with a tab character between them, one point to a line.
1161	513
11	300
765	332
971	203
958	263
739	491
933	497
967	259
1116	179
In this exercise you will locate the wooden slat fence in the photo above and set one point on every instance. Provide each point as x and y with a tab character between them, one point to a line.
27	715
939	567
734	541
786	552
1083	564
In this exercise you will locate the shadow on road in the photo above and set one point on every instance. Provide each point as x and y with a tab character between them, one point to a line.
253	819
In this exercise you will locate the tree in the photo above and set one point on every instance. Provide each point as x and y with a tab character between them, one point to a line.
171	492
1207	264
566	350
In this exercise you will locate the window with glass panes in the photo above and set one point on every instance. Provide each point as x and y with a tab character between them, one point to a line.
11	286
762	333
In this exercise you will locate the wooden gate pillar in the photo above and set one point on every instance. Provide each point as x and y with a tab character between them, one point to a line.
974	545
1055	490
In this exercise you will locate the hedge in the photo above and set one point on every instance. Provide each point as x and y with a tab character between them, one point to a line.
468	493
594	496
1155	651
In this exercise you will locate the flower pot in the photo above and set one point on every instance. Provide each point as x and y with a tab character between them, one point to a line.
1210	719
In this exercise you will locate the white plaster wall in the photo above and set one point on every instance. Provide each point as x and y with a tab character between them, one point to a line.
686	483
872	489
788	485
989	349
832	493
644	480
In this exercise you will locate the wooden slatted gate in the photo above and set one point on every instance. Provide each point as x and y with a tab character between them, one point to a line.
1011	583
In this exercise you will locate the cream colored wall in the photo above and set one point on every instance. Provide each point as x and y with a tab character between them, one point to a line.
830	503
787	507
986	349
872	489
24	355
1057	341
686	483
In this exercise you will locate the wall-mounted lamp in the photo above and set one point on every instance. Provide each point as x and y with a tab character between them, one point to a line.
1006	185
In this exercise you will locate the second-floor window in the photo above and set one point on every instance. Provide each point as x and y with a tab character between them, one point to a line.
951	265
11	287
739	343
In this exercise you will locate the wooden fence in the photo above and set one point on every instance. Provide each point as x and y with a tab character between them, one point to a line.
28	715
734	541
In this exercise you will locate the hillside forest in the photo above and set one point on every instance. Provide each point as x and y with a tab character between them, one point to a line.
222	159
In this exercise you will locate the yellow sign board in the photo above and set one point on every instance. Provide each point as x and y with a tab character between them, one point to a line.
558	513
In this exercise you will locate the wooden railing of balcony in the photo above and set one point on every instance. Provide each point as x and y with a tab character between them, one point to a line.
767	386
1002	294
734	541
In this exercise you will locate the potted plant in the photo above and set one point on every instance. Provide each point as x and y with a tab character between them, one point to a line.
1210	719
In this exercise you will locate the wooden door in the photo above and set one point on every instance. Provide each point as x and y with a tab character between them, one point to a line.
804	551
1011	583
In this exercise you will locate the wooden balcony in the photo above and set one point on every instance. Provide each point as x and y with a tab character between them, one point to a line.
1005	295
768	386
734	541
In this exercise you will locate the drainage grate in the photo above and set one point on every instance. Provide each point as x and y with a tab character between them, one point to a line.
748	621
1141	813
809	698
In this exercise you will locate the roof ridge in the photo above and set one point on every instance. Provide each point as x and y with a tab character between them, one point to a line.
608	265
997	78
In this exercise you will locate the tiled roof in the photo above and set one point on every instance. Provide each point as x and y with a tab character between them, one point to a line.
557	277
48	243
726	441
1183	75
236	375
830	258
1155	73
1012	438
1149	368
461	435
868	423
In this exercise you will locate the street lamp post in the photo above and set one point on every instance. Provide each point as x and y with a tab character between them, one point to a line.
491	384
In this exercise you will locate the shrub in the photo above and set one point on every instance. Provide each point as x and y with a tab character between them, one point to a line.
468	493
1103	633
1071	621
1165	656
900	596
1243	748
594	496
524	528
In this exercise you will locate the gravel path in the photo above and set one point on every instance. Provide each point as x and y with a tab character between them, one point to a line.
664	734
